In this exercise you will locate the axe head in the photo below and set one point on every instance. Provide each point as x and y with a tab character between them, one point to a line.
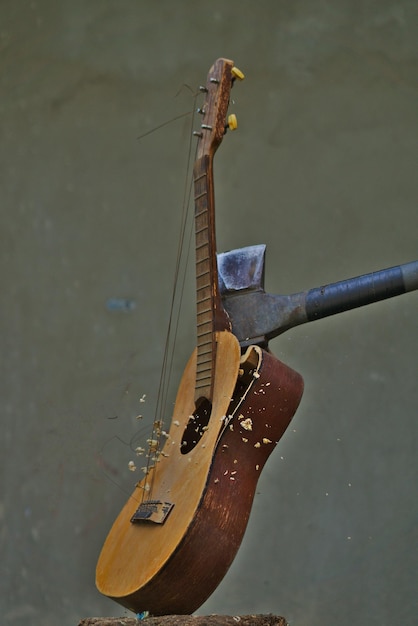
241	269
255	315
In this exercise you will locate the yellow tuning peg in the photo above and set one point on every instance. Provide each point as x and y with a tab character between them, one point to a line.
236	73
232	121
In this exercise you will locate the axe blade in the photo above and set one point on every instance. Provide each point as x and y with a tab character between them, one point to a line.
241	269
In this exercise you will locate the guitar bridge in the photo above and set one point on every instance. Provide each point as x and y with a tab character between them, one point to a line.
152	511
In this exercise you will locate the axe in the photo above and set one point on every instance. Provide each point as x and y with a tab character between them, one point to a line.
257	316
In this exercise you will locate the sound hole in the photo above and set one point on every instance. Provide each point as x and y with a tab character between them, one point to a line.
196	425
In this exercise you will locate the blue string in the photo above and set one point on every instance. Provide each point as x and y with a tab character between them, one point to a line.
143	615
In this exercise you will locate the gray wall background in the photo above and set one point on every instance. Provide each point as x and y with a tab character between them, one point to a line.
322	170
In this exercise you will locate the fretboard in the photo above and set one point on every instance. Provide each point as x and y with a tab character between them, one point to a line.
210	313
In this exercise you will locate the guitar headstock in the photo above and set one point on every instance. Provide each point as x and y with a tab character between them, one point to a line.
214	111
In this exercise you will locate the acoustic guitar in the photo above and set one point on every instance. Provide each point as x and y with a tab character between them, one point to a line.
178	533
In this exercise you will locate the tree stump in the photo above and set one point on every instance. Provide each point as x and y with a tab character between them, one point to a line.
188	620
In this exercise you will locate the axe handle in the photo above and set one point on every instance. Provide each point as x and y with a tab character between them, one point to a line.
355	292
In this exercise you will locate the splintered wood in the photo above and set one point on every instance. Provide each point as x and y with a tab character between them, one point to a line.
188	620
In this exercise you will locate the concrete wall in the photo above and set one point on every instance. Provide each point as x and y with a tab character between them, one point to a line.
322	170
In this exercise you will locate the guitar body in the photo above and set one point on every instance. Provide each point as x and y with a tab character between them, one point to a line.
173	567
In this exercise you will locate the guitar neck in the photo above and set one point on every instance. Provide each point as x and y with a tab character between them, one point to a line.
211	316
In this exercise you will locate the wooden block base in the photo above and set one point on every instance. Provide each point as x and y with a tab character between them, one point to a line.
188	620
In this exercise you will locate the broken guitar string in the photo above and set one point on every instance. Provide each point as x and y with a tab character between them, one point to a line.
152	448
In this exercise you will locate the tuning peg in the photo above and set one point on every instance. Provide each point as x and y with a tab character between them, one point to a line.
236	73
232	121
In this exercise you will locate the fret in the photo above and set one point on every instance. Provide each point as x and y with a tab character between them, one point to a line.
203	344
202	385
202	331
208	350
201	324
202	352
202	175
205	364
204	357
208	343
204	321
205	286
203	295
203	277
201	240
202	245
206	332
200	213
204	374
203	381
201	365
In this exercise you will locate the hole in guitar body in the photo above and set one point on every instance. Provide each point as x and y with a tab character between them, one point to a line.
196	425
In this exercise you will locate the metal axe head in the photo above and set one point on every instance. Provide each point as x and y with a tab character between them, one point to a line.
241	269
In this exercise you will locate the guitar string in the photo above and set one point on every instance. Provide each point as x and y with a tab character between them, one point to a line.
155	444
173	327
173	119
157	430
167	365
